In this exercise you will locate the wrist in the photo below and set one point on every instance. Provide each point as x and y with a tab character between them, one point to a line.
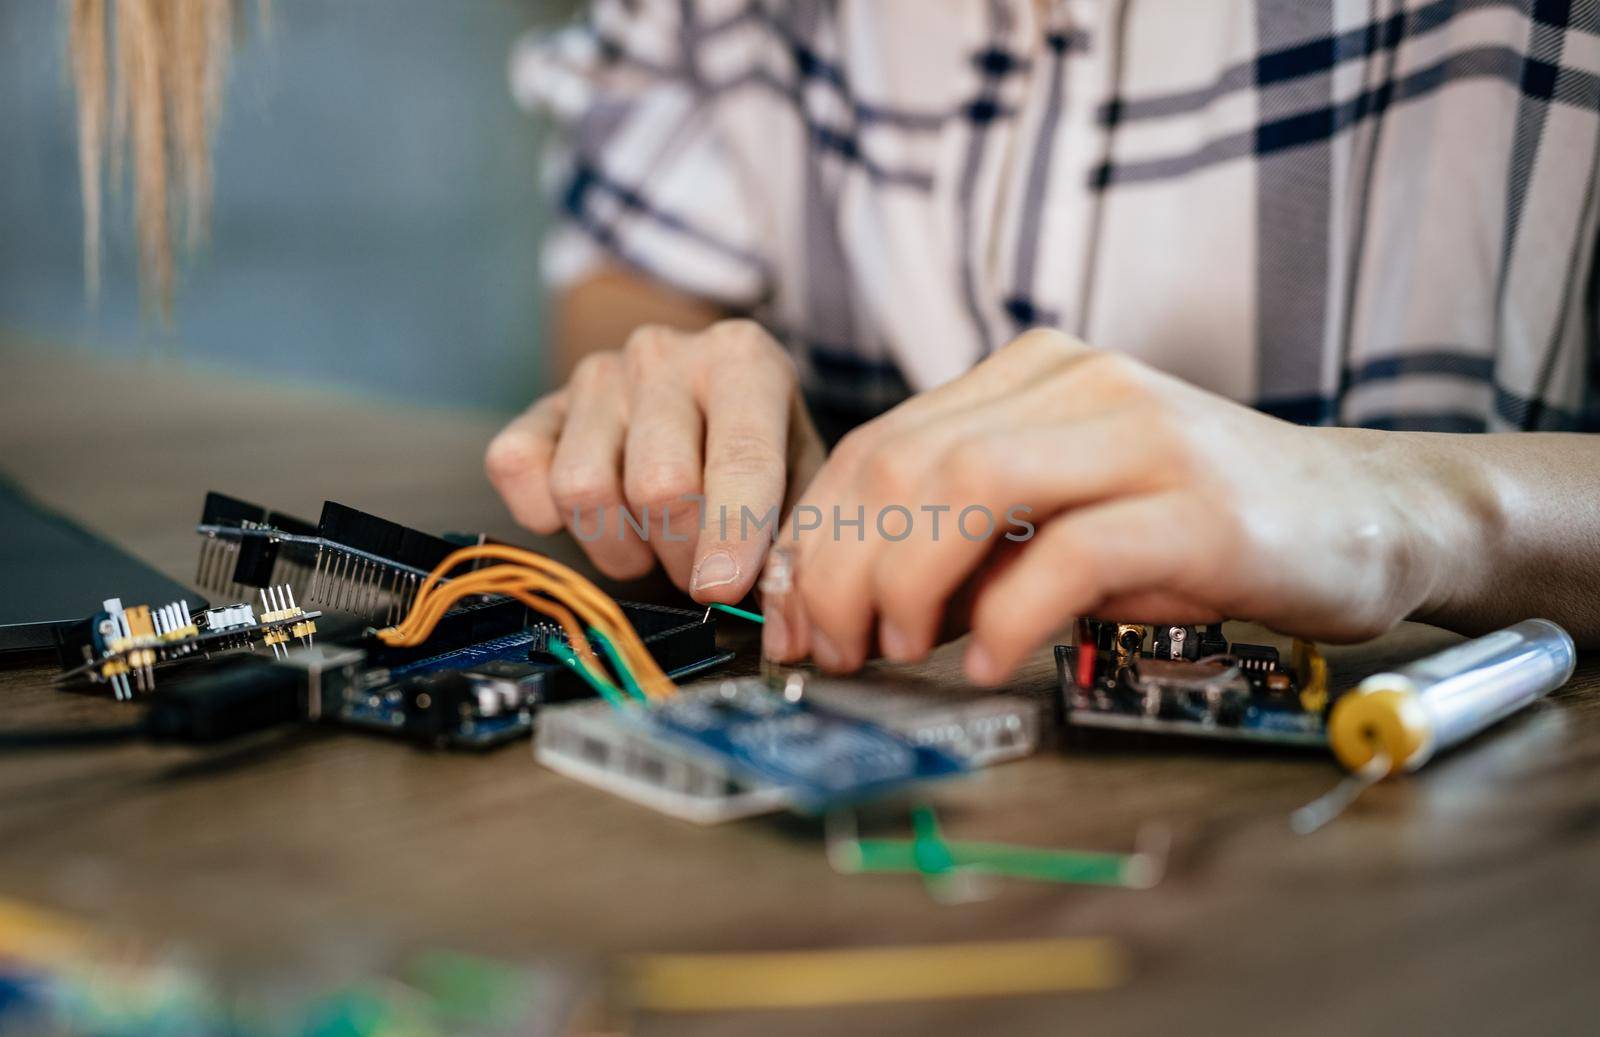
1451	519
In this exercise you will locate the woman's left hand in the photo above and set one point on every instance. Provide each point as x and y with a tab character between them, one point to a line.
1150	501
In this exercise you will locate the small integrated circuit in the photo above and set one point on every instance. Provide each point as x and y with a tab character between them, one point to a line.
1191	681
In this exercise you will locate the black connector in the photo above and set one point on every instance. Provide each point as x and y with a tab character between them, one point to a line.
236	697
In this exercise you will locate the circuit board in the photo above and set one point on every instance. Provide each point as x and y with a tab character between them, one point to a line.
347	560
1191	681
121	648
488	664
487	692
627	756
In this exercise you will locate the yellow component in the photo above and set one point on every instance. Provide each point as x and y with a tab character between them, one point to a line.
113	668
304	629
183	634
1130	640
810	979
139	624
1311	669
275	637
1391	721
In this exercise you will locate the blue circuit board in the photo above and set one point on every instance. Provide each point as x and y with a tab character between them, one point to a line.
512	647
822	758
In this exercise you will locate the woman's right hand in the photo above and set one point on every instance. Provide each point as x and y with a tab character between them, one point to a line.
679	429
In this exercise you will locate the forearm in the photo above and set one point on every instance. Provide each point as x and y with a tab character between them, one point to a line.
1509	525
600	312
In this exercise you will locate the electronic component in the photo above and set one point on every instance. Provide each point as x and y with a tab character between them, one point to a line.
1213	689
349	560
593	743
627	754
822	758
122	647
484	673
1176	642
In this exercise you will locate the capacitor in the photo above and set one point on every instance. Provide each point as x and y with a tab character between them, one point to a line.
1399	719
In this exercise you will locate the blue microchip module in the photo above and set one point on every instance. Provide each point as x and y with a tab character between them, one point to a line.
822	758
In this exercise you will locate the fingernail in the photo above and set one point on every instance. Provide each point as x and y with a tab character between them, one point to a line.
894	643
775	636
823	649
980	666
717	569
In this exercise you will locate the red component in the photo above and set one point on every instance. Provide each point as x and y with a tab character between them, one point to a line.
1086	657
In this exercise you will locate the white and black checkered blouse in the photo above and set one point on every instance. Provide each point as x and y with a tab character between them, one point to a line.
1369	213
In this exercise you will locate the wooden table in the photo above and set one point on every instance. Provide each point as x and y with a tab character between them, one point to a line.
1462	899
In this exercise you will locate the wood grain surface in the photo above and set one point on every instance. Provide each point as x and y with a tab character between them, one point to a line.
1462	899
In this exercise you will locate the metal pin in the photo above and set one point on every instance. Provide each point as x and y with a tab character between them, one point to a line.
289	595
208	550
342	596
316	575
330	587
342	588
375	589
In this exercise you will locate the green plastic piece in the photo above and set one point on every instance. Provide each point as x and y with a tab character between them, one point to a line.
463	988
928	853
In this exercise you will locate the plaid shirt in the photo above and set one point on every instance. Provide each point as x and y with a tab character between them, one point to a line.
1377	214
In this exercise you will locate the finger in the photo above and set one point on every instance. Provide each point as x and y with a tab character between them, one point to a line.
746	394
1081	560
518	463
661	455
996	488
586	472
862	521
1158	606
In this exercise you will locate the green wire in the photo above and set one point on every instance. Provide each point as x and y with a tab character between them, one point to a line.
628	680
754	617
603	687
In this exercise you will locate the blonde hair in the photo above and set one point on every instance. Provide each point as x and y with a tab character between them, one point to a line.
148	76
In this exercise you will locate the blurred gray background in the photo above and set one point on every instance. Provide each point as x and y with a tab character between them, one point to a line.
378	205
